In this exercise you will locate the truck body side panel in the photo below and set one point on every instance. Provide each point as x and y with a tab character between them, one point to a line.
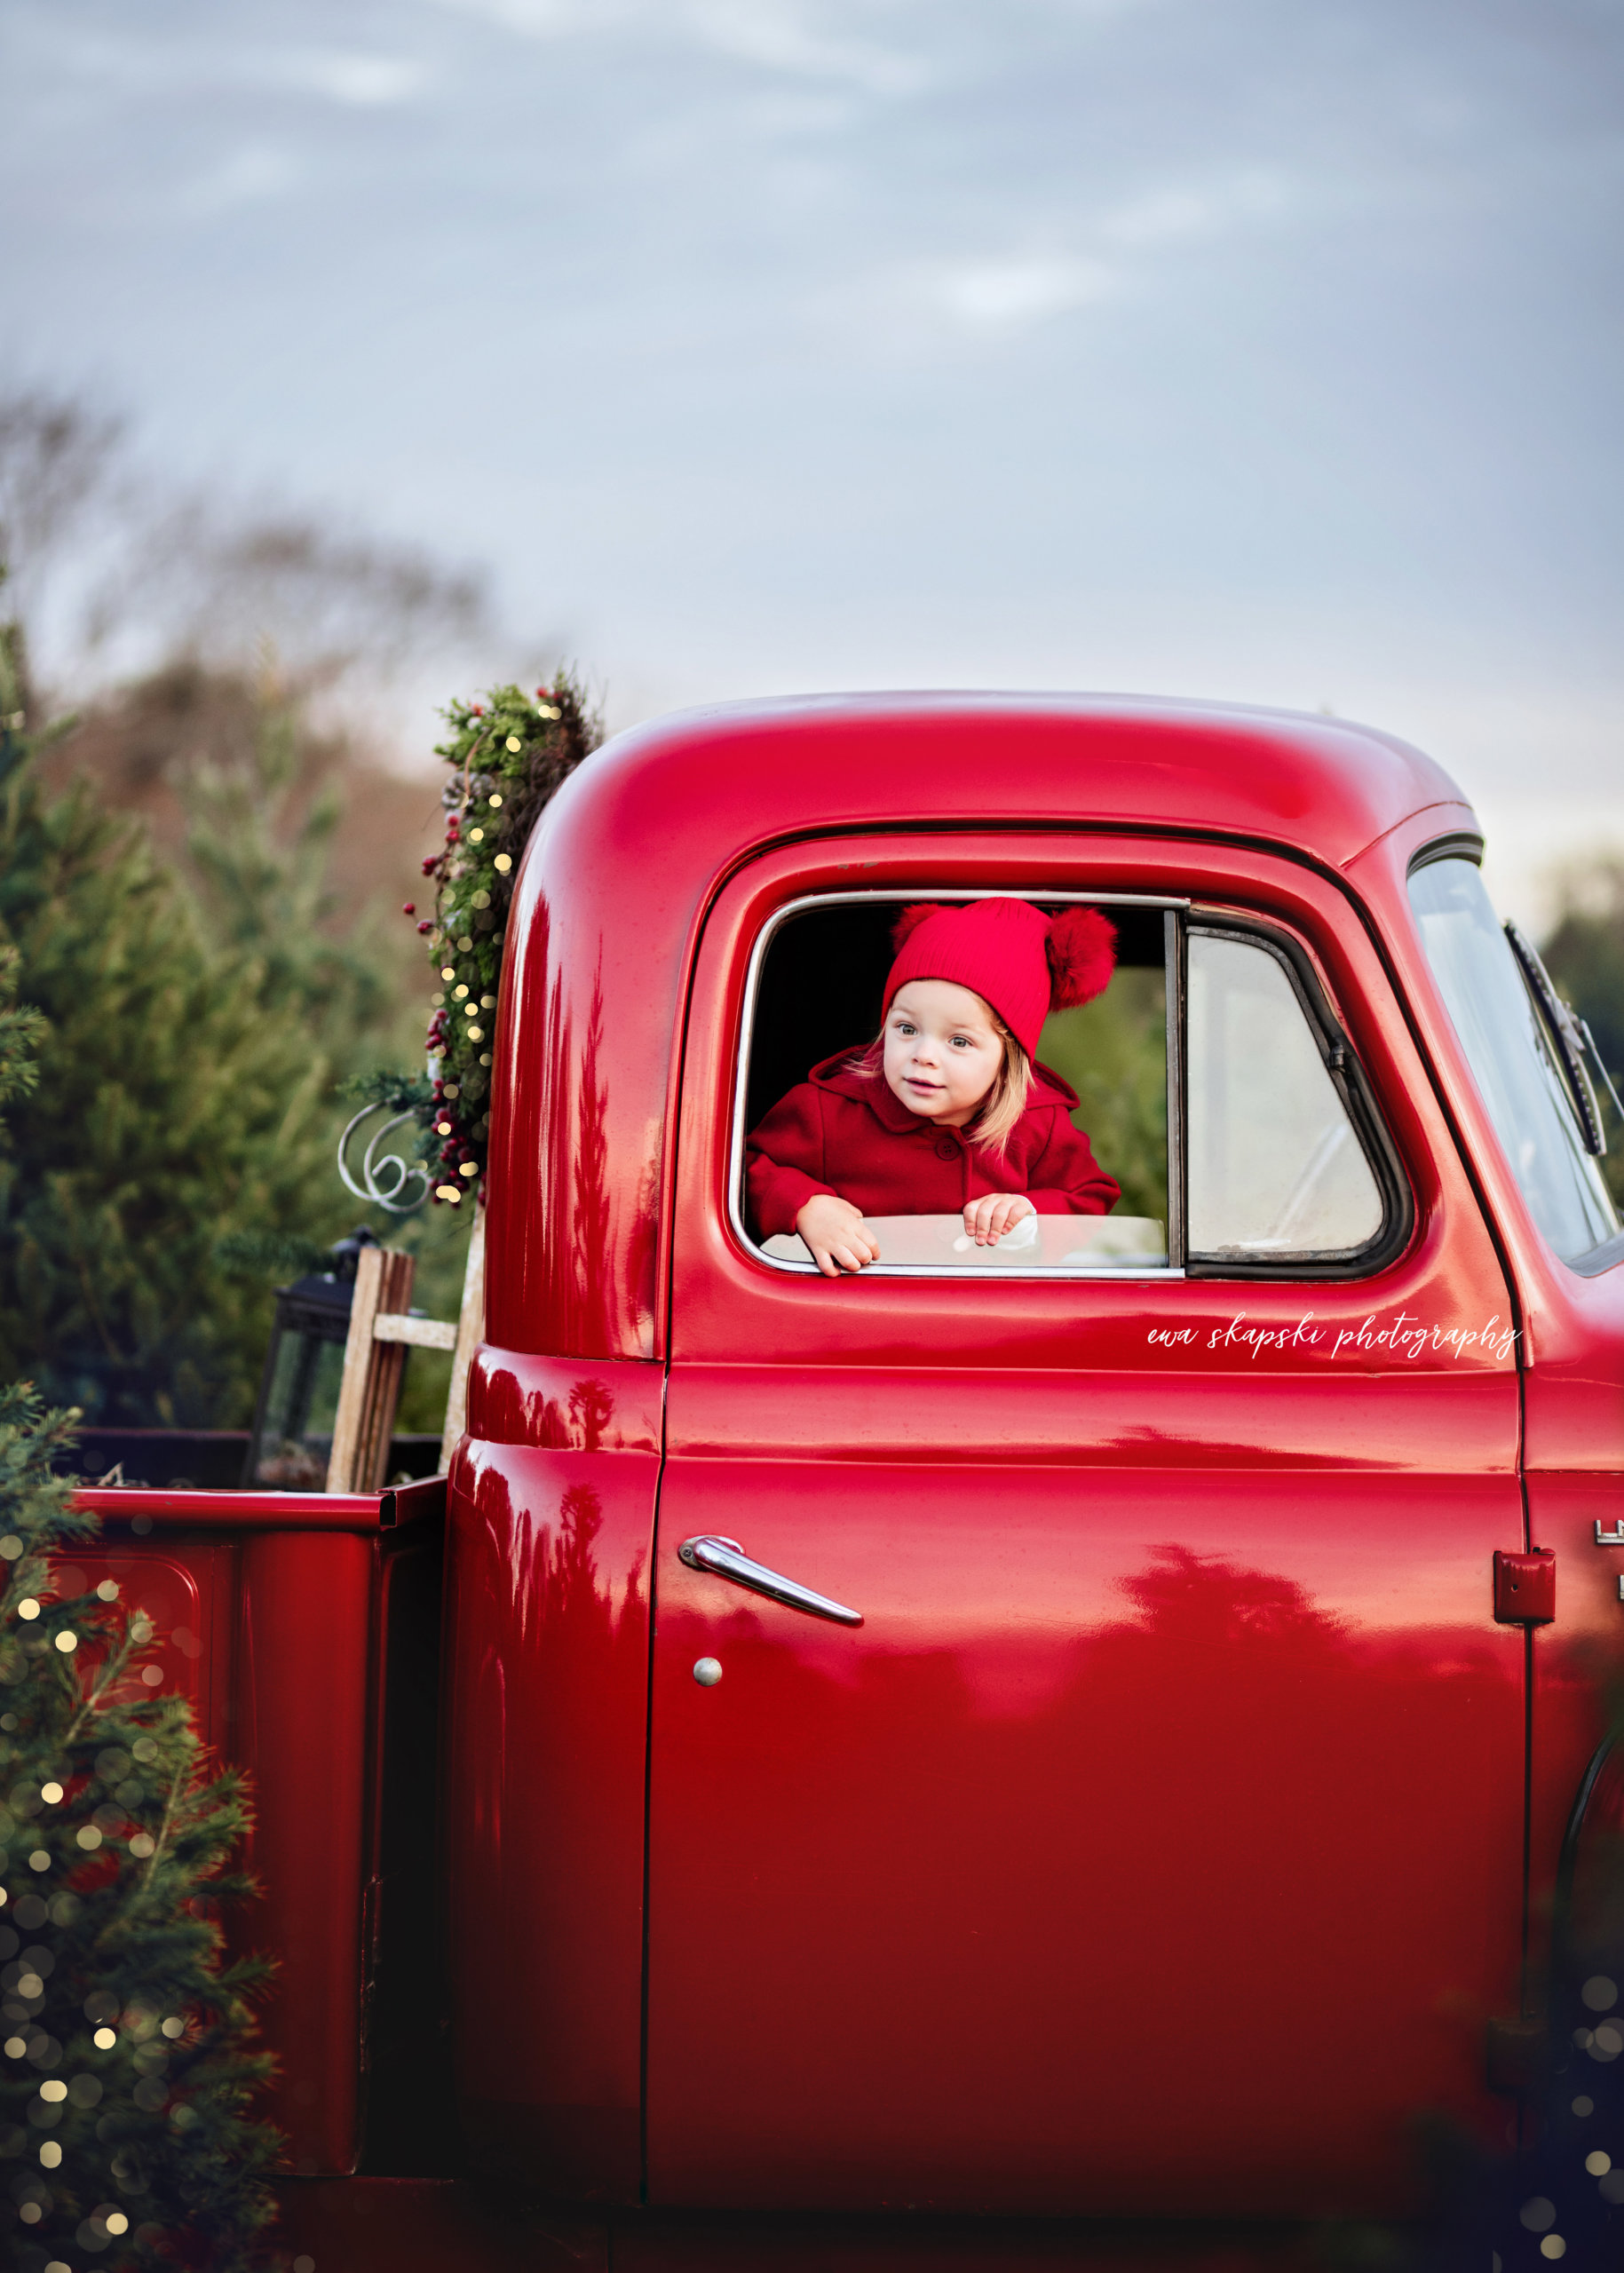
552	1506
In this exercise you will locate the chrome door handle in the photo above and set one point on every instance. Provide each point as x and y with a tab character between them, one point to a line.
1614	1538
726	1559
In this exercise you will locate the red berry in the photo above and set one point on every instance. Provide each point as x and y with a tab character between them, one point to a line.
430	864
409	908
425	926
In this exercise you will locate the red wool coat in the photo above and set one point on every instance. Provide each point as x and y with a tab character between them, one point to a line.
843	1132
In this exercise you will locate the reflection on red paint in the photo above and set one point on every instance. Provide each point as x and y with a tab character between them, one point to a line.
548	1625
1051	1870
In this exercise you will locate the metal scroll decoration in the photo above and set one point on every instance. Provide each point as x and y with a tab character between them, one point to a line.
389	1180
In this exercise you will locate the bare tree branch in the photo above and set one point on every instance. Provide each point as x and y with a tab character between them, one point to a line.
217	581
56	454
322	601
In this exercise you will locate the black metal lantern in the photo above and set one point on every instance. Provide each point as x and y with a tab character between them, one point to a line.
298	1392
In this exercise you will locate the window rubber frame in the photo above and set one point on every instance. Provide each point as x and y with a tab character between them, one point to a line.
1173	907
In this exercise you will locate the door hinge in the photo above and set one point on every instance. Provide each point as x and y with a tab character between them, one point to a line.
1526	1588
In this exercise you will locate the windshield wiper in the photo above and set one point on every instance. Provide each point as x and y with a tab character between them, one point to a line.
1589	1039
1572	1037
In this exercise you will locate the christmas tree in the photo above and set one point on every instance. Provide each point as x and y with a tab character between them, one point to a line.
184	1092
126	2065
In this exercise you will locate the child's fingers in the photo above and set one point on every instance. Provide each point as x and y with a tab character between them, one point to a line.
840	1257
988	1218
988	1221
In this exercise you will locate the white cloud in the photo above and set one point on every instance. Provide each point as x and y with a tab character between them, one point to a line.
547	18
251	176
1021	289
1186	215
136	68
783	35
366	80
1016	291
793	38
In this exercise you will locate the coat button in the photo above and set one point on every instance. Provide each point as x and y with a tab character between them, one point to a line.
945	1149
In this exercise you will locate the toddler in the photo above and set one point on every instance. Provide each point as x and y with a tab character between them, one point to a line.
945	1111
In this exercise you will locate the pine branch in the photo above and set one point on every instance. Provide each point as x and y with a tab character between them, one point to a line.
116	1834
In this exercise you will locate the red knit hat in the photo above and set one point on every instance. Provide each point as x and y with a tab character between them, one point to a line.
1022	962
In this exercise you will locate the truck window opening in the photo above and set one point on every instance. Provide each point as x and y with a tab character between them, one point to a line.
1276	1174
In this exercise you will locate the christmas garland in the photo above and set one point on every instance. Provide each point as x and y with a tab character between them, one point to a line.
508	755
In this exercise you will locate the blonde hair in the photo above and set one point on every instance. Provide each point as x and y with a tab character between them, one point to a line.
1005	1101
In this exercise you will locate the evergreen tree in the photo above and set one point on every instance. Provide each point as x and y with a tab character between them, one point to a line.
126	2065
22	1029
183	1093
258	844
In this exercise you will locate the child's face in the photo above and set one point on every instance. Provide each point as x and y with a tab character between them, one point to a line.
942	1051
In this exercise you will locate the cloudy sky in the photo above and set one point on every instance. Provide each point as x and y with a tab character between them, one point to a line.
1266	349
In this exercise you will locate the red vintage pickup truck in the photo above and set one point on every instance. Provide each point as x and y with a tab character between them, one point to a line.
1098	1728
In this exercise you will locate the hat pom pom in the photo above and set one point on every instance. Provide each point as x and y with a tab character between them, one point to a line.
1081	948
910	920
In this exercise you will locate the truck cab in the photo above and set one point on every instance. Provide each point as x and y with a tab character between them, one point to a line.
1231	1585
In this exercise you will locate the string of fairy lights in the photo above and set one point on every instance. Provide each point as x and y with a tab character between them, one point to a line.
507	755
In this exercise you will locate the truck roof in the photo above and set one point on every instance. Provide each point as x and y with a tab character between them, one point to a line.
746	771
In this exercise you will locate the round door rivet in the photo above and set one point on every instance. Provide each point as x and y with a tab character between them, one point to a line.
707	1672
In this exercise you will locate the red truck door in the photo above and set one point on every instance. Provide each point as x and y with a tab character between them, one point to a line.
1154	1843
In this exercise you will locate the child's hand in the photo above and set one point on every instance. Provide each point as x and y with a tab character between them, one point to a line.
835	1231
988	1218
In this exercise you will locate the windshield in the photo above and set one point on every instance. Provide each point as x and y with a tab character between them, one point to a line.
1506	1048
